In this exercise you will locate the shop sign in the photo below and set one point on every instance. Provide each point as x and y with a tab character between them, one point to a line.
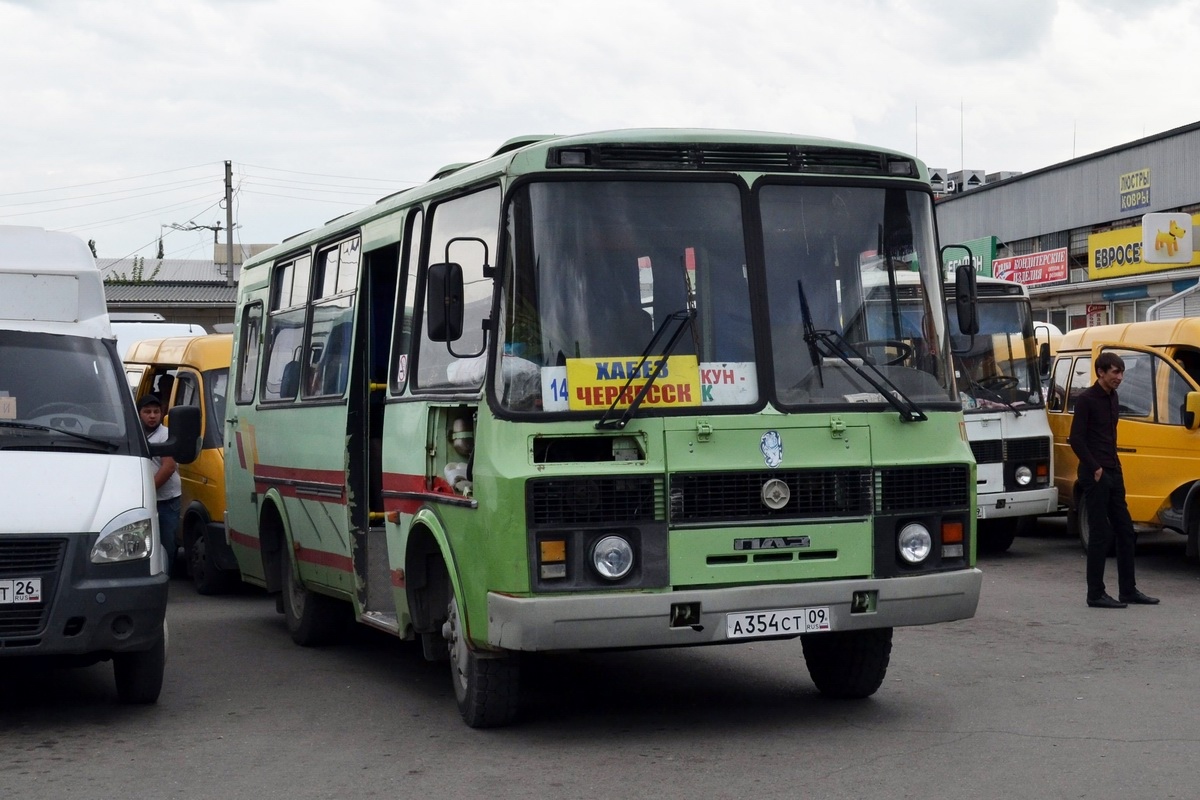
983	251
1048	266
1113	254
1097	314
1133	189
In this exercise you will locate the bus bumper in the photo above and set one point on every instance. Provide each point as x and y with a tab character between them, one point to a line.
996	505
604	621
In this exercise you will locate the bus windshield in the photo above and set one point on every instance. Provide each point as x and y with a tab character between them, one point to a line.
997	367
833	257
596	268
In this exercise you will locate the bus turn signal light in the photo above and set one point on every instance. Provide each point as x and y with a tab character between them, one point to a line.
552	558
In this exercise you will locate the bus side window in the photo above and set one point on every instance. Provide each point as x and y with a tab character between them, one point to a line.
248	353
463	231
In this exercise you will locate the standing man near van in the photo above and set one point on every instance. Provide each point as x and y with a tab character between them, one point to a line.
1094	440
166	478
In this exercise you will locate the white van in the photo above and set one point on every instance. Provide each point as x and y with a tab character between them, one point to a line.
81	571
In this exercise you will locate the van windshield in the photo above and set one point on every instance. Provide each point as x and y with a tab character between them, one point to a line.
59	392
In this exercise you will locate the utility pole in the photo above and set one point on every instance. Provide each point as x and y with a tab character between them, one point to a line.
229	222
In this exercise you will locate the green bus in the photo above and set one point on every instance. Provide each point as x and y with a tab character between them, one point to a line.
609	391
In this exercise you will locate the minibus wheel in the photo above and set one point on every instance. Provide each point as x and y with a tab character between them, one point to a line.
848	664
207	577
486	687
1078	520
139	675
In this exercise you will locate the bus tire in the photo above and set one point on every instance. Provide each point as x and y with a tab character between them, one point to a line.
848	664
997	535
139	675
312	619
486	688
207	577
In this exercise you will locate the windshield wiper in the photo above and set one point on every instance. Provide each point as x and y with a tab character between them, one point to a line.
684	317
833	344
32	426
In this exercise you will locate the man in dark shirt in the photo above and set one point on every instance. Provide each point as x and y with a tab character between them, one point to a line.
1094	440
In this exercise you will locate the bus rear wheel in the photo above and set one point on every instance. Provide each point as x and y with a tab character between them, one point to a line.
848	664
312	619
486	688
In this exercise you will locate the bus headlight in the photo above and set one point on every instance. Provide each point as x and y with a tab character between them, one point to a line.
1023	475
915	542
124	539
612	558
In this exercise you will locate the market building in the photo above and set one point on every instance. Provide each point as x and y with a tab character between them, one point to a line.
1102	238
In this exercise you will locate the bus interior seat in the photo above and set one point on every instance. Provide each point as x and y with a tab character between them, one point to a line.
289	382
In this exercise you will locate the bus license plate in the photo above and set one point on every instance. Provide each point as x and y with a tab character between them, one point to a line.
780	622
20	590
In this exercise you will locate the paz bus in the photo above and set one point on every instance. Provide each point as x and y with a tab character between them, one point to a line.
609	391
998	374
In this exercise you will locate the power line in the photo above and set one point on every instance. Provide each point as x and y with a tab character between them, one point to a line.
100	183
321	175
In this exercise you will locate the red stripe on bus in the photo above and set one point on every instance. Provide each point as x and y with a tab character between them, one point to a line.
398	578
241	450
284	480
244	539
323	558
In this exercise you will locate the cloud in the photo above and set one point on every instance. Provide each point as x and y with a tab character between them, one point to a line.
108	90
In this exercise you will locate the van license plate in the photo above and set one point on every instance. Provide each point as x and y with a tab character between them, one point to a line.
779	622
20	590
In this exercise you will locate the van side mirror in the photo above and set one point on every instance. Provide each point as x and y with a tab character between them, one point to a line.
1191	411
444	302
183	436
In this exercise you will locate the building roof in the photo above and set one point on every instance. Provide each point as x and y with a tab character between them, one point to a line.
166	282
170	292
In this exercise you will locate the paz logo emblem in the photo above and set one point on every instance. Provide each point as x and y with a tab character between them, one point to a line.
772	448
775	494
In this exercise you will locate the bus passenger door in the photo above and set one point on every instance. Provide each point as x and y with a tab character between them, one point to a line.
368	393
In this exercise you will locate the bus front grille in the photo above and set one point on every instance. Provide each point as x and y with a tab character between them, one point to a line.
900	490
1033	448
747	496
990	451
593	500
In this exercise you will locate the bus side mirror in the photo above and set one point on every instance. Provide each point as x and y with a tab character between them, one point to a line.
1191	411
444	302
966	299
1044	359
183	441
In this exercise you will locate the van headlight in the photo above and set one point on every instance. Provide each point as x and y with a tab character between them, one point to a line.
128	537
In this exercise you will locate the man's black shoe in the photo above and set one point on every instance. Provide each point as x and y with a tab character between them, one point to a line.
1104	601
1139	598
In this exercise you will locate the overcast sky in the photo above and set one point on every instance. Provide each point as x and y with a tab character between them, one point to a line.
118	115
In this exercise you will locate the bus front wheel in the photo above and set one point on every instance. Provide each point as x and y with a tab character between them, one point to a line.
848	664
486	688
